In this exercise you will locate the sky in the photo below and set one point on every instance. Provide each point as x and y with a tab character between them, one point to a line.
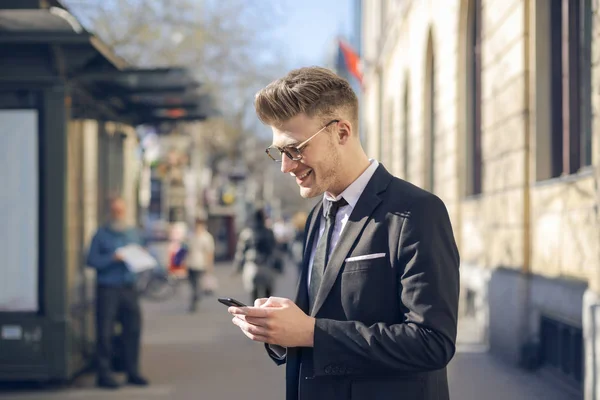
306	32
310	27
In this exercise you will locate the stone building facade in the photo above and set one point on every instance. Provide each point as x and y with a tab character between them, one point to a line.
493	105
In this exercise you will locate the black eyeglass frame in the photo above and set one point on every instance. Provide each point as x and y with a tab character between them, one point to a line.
297	148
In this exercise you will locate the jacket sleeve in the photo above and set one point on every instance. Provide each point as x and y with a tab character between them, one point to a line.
277	353
98	257
428	276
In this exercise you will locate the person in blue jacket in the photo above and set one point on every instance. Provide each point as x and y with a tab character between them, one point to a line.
116	297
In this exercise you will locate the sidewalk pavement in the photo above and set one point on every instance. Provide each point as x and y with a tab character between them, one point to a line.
204	356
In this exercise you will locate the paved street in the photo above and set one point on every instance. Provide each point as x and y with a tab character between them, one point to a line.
204	356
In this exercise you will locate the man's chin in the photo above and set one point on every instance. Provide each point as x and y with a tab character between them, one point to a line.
309	192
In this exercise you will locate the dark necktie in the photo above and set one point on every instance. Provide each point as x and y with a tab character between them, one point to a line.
323	249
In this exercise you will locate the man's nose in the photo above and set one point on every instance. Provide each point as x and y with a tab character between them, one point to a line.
287	164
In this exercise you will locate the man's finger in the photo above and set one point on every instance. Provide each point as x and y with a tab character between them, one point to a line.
236	310
251	330
250	311
264	322
256	338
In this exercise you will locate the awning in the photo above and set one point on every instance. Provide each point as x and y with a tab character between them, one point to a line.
102	84
150	96
56	27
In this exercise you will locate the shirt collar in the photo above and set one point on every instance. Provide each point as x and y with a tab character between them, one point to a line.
356	188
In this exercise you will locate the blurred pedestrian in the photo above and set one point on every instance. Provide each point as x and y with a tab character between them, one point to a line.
116	297
297	246
177	251
201	259
282	233
256	258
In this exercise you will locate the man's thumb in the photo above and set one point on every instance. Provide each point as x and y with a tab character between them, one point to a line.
260	302
275	302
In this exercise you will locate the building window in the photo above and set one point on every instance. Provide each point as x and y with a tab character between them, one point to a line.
429	181
473	96
570	76
405	130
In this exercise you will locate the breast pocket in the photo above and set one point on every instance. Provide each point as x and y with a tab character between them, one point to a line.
365	262
366	285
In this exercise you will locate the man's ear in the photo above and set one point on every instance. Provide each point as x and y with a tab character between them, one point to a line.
344	132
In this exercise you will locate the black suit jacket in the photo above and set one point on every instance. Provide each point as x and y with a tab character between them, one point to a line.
385	327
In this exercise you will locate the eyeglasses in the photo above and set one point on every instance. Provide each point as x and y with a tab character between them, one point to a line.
294	153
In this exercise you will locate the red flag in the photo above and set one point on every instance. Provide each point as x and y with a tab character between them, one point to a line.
352	60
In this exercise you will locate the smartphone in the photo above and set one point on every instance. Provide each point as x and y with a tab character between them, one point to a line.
228	301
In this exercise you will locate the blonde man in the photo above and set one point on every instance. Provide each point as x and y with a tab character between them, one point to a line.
375	312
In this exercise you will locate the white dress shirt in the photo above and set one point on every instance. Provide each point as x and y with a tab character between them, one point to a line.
351	195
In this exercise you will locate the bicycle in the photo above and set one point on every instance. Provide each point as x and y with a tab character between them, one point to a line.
158	284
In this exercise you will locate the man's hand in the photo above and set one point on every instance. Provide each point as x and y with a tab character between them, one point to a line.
277	321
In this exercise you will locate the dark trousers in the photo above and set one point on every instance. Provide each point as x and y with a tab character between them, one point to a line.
118	304
260	291
194	277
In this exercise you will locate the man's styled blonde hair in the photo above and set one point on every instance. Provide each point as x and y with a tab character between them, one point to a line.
313	91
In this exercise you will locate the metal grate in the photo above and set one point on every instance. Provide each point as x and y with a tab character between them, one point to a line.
562	349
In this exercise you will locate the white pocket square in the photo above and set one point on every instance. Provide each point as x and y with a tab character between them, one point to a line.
365	257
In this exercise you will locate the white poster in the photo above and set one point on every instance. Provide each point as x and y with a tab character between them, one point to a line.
19	210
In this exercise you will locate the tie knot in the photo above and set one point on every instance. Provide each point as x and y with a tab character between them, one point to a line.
334	206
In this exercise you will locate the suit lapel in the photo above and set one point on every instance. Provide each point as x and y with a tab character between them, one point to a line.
313	229
367	203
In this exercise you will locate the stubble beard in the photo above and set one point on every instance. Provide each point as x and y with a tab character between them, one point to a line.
324	180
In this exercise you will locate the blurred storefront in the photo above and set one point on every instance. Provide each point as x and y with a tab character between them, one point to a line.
68	108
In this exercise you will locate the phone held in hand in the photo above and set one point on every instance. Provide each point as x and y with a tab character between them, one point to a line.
230	302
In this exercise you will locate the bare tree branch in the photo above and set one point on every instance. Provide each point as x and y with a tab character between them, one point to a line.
225	43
